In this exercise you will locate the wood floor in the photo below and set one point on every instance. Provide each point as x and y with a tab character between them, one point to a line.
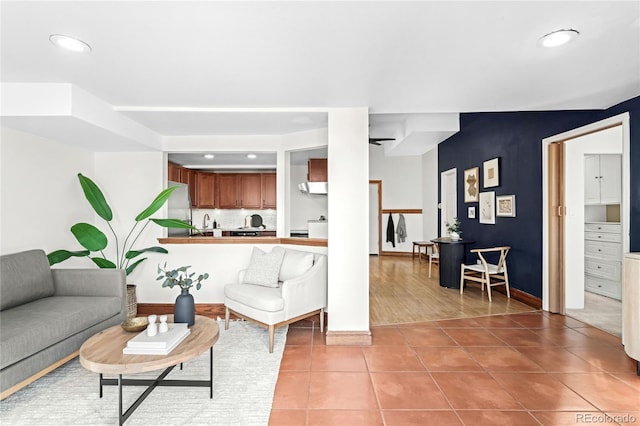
400	291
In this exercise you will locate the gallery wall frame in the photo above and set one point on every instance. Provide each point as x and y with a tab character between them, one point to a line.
487	208
471	185
506	205
491	173
471	212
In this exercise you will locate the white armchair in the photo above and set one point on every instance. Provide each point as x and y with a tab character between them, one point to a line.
301	292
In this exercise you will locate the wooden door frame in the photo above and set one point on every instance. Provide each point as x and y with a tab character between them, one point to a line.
443	197
553	287
379	184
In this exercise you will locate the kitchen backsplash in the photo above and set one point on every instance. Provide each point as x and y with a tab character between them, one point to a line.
229	219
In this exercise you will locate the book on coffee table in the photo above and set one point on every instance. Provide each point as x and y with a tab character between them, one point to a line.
160	344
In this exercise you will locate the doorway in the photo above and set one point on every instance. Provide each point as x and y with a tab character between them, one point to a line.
449	197
564	207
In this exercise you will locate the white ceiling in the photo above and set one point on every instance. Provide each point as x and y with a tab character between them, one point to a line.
274	67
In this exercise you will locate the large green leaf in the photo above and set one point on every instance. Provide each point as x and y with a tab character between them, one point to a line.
95	197
156	204
62	255
134	253
133	266
173	223
89	236
103	263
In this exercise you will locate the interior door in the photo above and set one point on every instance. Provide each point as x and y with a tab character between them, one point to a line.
448	199
374	218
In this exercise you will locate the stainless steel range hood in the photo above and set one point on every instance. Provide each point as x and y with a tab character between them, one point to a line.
313	187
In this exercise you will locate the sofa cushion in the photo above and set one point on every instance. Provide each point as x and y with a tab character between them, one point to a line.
258	297
295	263
26	276
31	327
264	267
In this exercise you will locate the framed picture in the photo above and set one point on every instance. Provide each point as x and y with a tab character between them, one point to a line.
471	212
471	185
491	173
506	205
487	207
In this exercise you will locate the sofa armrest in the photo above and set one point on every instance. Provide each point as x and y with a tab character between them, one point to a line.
307	292
90	282
241	275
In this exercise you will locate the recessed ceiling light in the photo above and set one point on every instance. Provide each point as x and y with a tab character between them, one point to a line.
70	43
557	38
209	156
251	156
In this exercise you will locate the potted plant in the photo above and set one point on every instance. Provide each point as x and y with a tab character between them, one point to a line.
95	241
453	229
184	308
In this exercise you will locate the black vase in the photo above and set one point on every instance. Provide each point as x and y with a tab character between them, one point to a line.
184	309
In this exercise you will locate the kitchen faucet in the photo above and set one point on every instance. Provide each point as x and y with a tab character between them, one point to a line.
205	220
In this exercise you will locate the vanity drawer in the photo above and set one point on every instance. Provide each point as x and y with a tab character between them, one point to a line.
603	236
607	269
613	228
602	249
608	288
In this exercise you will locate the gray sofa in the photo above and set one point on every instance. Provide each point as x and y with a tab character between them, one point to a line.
46	314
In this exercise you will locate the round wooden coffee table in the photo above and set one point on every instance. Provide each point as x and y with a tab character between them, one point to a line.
102	354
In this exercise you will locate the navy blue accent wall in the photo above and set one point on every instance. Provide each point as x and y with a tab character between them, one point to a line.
515	137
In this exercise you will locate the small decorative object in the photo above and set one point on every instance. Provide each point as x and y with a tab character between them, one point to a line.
453	229
471	185
152	328
163	327
488	207
471	212
506	205
134	325
184	308
491	173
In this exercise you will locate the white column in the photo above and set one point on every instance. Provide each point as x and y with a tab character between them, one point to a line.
348	168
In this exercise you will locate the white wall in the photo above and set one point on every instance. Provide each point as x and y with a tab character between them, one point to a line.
348	167
40	195
304	207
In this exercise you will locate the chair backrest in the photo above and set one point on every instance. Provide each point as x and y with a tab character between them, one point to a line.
502	260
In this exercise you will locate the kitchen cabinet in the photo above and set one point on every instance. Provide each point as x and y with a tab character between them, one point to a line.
602	179
242	190
317	170
603	258
269	185
205	190
174	172
192	181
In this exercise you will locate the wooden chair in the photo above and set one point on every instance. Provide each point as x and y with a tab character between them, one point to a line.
486	273
434	257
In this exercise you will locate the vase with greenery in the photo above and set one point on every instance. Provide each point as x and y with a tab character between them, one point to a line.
453	229
184	308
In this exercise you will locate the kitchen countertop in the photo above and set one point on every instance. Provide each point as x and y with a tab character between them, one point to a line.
317	242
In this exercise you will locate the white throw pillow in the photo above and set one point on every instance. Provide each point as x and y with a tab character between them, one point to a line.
264	267
295	263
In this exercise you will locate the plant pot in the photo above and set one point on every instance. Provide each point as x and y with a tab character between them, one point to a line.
455	236
132	301
184	309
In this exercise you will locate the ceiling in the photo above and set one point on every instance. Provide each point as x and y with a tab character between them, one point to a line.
275	67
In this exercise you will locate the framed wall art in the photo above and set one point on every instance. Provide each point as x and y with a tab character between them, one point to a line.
506	205
471	185
487	208
471	212
491	173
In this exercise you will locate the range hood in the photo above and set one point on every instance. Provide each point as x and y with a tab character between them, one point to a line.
313	187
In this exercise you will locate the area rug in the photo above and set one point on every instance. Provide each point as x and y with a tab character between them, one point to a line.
244	375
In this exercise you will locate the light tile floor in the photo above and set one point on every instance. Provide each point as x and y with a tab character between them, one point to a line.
519	369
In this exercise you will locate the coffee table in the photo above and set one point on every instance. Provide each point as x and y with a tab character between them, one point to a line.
102	354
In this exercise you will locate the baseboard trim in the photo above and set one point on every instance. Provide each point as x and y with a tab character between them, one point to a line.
395	253
521	296
356	338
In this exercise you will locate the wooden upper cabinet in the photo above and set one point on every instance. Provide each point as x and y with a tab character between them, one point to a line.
250	194
317	170
193	186
174	172
205	190
228	191
269	185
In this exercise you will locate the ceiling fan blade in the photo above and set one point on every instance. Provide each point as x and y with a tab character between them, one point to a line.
376	141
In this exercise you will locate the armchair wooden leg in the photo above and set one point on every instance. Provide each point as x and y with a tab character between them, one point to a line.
461	278
322	320
226	318
272	332
429	267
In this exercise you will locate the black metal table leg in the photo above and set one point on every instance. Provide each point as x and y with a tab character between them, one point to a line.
211	372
